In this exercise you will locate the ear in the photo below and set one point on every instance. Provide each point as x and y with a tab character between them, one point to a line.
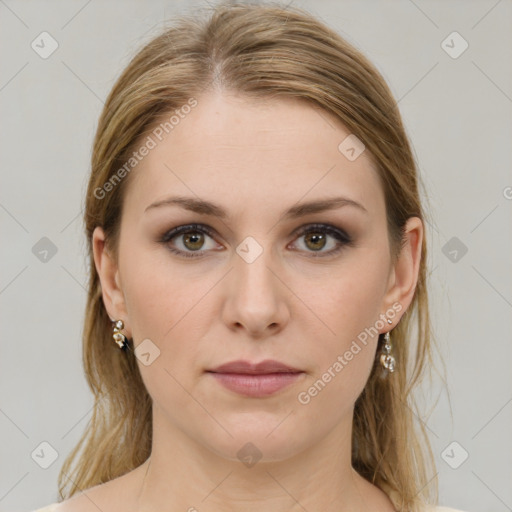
108	272
404	273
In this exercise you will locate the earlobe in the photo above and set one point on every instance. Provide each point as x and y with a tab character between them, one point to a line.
406	269
108	272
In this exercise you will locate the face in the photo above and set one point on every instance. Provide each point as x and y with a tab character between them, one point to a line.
257	277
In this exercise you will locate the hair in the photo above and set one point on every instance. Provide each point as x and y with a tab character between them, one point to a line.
260	52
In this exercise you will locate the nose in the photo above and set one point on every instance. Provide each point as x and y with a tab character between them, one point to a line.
257	296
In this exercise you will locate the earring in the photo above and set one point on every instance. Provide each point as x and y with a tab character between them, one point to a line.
386	359
118	336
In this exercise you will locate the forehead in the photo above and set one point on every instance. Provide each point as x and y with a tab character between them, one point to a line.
233	149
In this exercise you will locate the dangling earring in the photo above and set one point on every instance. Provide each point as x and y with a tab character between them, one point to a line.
118	336
386	359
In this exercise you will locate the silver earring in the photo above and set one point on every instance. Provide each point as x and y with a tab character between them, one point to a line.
118	336
387	361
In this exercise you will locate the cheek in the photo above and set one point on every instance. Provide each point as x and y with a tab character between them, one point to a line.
347	300
157	294
168	306
347	306
341	368
162	306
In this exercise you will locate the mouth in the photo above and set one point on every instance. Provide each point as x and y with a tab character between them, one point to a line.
246	367
256	380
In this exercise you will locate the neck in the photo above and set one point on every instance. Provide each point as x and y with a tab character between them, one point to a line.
184	475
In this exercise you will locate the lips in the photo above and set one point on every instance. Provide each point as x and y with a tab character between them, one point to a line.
262	368
256	380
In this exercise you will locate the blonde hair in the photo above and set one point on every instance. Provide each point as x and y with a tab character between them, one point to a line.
259	51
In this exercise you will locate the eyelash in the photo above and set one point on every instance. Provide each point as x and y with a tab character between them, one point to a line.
342	238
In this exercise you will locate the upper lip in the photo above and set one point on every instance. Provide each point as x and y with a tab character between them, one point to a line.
267	366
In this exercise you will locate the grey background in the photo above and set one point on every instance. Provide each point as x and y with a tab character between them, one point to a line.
457	112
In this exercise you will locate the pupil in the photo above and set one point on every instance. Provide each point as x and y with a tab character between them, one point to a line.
196	240
317	238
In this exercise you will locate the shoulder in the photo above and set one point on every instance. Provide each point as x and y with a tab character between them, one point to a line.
57	507
395	496
446	509
90	500
81	502
116	494
49	508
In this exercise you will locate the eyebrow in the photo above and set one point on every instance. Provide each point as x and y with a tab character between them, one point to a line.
204	207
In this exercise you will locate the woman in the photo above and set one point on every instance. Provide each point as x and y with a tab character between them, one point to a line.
258	267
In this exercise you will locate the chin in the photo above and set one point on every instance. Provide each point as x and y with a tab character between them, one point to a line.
264	441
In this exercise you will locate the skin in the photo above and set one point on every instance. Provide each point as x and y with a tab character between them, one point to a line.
256	159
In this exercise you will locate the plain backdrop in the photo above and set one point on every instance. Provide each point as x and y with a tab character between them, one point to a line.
456	103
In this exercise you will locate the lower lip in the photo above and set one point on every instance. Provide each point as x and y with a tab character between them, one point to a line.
256	385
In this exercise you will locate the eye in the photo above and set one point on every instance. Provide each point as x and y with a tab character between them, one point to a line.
193	238
316	238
